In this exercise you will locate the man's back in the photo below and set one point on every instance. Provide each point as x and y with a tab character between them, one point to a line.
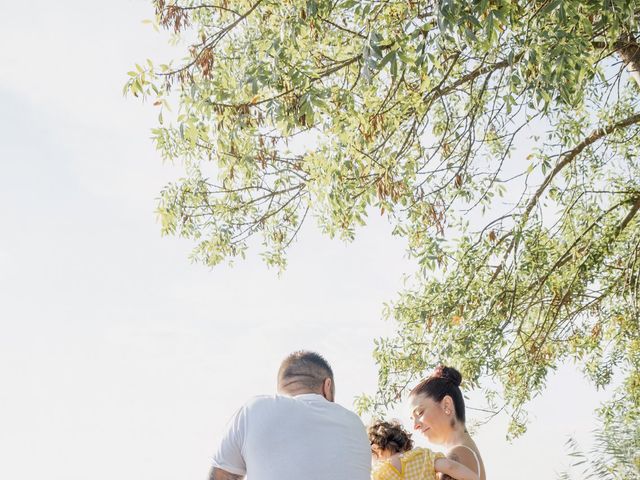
304	437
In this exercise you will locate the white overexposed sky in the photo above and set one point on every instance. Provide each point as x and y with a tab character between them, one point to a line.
119	359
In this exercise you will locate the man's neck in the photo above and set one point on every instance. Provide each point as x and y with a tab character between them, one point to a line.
294	392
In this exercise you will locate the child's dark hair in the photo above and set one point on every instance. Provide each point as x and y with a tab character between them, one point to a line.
390	436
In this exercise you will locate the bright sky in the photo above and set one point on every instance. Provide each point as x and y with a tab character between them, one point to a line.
118	358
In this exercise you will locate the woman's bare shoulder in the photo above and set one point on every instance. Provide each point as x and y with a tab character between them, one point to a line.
467	456
464	455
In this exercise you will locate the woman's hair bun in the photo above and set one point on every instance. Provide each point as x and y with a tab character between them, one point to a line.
448	373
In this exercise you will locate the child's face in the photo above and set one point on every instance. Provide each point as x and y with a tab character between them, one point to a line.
378	453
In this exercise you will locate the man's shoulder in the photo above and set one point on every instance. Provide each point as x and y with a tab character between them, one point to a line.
348	414
284	403
259	399
259	402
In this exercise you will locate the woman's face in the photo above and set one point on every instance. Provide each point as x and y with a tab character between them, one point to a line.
432	419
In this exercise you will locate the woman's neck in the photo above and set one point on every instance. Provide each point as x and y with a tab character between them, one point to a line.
456	436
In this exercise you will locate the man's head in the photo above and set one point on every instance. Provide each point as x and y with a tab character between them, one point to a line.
306	372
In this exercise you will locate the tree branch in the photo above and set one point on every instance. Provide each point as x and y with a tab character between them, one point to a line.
572	154
567	158
629	51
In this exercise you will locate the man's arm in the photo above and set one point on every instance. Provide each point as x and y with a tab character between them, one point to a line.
228	462
218	474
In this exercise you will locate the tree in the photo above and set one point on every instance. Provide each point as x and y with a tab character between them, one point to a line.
615	453
499	137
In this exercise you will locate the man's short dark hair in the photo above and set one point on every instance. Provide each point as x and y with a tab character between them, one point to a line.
306	368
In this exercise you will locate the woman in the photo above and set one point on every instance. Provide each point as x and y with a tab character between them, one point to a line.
437	410
392	448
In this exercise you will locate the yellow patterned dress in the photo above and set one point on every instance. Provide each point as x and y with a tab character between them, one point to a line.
416	464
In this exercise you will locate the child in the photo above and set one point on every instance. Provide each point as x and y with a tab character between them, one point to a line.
392	444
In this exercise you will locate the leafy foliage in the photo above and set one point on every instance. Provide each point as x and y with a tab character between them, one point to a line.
616	453
499	137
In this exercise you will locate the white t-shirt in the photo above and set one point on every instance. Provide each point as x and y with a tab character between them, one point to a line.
304	437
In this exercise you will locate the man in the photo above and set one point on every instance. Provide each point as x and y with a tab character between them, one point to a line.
299	434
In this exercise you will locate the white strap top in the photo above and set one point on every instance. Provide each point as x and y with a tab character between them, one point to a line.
475	455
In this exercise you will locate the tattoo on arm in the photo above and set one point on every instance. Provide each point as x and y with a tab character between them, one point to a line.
217	474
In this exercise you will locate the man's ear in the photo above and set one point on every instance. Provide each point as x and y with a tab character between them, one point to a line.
328	391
